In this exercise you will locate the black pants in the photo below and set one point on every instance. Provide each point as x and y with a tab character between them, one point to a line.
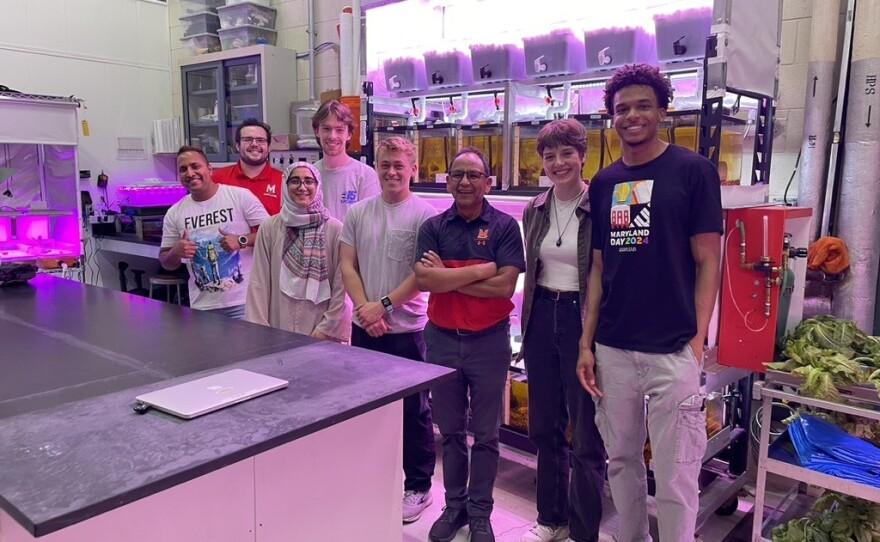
418	429
481	364
555	396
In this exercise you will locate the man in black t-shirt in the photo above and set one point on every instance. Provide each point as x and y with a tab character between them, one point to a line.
652	287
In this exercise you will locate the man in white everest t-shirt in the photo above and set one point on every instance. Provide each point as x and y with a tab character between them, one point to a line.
211	230
344	180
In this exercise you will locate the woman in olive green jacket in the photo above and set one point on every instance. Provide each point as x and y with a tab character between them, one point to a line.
557	237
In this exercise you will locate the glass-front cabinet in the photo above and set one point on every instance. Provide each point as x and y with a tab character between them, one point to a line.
204	104
222	90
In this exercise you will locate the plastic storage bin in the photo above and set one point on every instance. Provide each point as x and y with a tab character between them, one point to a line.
198	6
404	74
243	36
266	3
609	48
449	69
247	14
682	35
557	53
202	43
497	63
200	23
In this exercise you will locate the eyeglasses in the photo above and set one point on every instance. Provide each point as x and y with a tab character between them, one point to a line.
472	176
258	140
296	182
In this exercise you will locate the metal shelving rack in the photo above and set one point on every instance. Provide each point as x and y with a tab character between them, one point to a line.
773	388
720	96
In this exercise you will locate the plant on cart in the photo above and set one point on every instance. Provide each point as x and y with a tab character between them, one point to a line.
833	518
828	352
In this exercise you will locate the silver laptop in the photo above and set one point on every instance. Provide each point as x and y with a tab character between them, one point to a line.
204	395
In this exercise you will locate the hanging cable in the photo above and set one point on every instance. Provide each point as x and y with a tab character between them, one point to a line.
787	186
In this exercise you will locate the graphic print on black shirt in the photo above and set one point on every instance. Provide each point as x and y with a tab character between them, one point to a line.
630	225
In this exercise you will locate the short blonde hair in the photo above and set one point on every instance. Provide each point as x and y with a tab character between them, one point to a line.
397	144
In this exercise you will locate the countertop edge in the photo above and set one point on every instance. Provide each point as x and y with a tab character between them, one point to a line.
48	526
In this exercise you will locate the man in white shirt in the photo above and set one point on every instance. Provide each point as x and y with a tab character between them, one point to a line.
345	181
211	230
378	246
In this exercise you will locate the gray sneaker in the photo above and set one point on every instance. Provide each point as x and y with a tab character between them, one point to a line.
414	503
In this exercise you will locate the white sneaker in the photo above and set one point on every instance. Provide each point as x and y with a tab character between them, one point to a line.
543	533
414	503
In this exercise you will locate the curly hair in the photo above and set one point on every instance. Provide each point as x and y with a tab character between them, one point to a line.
638	74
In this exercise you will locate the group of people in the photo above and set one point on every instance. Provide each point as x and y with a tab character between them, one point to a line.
621	275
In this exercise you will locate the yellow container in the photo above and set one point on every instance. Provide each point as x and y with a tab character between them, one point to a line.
490	145
434	155
593	159
519	403
530	165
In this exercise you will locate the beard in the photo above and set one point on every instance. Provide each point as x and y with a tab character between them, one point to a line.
251	162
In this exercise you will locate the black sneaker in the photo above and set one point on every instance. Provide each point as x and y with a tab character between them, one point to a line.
481	530
448	524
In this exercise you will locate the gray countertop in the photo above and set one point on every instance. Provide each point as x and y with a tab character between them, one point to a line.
69	454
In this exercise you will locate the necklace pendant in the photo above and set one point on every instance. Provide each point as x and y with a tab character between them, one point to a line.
559	242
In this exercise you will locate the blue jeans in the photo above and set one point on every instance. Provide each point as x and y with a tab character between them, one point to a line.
419	456
481	362
236	312
550	350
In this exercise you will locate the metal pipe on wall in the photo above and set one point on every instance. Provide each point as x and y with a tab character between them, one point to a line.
858	214
313	78
819	108
356	46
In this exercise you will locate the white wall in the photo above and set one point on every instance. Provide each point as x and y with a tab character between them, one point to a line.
796	20
113	54
293	24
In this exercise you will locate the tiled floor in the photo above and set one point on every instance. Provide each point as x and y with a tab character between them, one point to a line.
515	509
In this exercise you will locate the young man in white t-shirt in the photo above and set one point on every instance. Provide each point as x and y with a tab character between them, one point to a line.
212	231
377	249
344	180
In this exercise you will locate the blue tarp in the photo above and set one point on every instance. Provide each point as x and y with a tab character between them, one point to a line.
823	447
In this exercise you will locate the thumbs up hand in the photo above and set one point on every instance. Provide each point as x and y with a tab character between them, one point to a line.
228	241
185	248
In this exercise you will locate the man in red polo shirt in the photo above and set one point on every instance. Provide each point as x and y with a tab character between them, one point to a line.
252	171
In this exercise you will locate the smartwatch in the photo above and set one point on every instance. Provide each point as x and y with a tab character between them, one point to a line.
242	241
386	304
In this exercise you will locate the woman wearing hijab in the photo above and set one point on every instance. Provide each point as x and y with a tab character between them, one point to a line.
296	281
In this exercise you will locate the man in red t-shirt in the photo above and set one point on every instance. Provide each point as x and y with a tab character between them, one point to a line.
252	171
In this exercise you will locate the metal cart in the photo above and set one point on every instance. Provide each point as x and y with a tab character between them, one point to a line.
784	386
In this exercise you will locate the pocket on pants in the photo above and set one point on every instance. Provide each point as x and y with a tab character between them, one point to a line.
690	430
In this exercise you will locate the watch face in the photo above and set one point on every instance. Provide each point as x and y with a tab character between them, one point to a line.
243	240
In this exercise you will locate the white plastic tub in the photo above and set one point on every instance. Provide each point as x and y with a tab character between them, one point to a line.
198	6
244	36
247	14
202	43
200	23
